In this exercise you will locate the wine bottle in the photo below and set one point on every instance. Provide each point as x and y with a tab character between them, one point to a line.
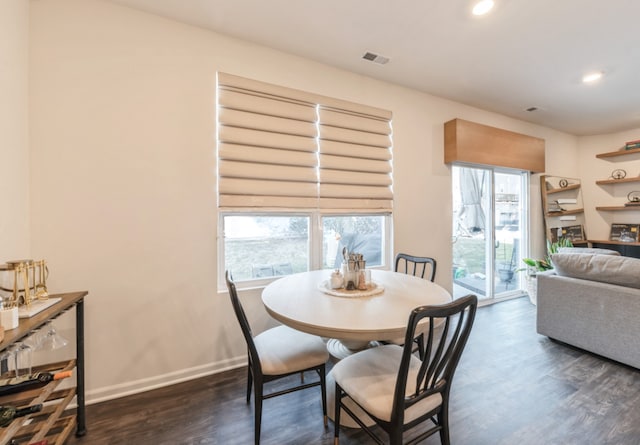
8	413
17	384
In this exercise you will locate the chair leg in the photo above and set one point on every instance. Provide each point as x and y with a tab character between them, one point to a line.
257	411
443	420
249	383
323	390
395	436
336	415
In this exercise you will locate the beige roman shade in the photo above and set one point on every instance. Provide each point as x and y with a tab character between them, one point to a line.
284	148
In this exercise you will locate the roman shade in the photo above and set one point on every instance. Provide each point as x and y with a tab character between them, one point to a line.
285	148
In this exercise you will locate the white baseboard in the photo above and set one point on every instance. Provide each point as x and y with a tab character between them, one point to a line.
142	385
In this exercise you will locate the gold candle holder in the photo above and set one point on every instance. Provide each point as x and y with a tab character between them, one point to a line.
29	282
41	286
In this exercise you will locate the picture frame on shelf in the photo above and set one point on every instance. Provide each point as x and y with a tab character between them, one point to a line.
625	233
573	233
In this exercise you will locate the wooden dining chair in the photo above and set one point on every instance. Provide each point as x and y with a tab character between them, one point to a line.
276	353
400	391
416	266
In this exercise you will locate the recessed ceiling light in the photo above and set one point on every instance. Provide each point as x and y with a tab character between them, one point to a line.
592	77
482	7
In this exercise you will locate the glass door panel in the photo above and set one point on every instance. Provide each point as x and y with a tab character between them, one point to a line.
489	209
472	220
507	232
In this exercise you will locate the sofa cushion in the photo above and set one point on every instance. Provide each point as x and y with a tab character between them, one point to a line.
588	250
620	270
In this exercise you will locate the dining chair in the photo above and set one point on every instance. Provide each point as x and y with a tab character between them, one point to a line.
416	266
276	353
400	391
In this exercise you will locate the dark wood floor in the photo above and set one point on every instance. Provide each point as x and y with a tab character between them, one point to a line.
513	387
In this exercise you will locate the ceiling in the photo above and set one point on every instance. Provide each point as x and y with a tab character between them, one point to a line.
524	53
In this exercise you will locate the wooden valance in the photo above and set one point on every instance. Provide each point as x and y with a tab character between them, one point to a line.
474	143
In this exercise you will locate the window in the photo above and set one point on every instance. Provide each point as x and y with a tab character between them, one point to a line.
365	234
300	176
263	246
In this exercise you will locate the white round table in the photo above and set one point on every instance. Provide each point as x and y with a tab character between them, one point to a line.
300	302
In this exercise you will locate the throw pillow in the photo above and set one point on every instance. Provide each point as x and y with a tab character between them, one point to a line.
613	269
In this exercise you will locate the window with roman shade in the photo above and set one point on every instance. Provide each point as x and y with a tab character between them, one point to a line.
284	148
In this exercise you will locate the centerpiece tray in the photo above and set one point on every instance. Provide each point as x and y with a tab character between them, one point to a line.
372	289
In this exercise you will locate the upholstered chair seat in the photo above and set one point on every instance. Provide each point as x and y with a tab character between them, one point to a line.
369	378
283	350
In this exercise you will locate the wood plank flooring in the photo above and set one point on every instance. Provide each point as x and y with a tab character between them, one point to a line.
512	387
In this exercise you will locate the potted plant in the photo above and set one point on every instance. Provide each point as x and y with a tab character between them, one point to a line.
534	266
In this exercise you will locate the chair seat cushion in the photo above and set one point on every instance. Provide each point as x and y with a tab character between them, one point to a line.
283	350
369	377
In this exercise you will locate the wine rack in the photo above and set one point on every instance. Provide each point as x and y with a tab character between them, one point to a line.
56	421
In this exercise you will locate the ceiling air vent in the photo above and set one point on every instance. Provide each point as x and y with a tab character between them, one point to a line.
375	58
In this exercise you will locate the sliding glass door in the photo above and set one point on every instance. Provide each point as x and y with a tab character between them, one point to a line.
489	230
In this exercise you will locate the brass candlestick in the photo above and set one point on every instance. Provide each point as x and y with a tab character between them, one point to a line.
41	287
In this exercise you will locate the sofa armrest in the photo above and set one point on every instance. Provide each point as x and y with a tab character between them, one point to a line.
546	272
598	317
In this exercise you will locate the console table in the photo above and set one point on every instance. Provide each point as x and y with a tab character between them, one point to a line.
55	422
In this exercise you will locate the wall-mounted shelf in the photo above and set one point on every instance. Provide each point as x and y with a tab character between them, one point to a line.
625	248
562	197
617	208
618	181
614	154
565	212
563	189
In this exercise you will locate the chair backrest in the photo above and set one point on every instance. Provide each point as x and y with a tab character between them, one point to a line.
254	359
415	265
449	328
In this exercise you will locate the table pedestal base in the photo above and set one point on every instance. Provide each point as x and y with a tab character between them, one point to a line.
340	349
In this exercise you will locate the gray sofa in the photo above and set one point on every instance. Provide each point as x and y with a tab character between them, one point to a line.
592	302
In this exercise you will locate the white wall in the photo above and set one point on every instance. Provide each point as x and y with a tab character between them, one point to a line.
123	179
14	129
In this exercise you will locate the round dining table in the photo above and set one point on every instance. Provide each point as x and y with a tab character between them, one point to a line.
350	319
